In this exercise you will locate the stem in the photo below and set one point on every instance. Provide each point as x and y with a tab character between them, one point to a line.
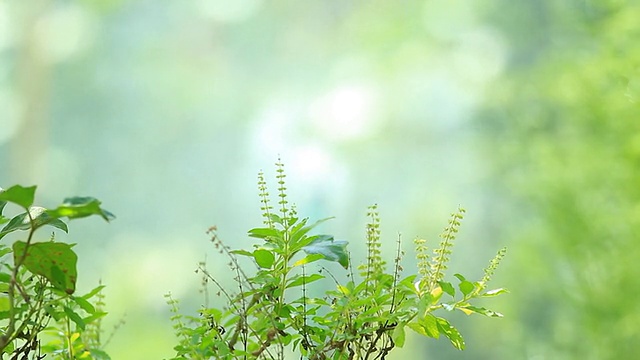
11	333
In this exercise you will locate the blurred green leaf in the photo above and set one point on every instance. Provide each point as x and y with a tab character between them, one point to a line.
263	233
495	292
447	288
465	286
332	250
480	310
398	335
304	280
73	316
450	332
19	195
79	207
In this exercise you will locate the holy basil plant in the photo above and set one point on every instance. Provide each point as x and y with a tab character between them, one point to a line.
272	311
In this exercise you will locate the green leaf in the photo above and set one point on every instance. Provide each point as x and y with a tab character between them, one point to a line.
84	304
79	207
97	354
451	333
73	316
263	233
93	292
19	195
481	310
465	285
447	287
304	280
332	250
55	261
298	239
40	218
308	259
495	292
4	304
426	326
264	258
398	335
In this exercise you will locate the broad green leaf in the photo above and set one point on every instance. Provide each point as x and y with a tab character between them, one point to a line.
465	286
264	258
298	239
263	233
332	250
495	292
447	287
451	333
481	310
304	280
55	261
40	218
19	195
73	316
79	207
398	335
308	259
426	326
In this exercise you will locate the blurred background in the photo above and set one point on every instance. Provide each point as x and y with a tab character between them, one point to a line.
525	113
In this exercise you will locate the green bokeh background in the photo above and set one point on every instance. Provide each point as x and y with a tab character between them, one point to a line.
525	113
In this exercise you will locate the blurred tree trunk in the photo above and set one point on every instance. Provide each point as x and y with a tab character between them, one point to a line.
33	75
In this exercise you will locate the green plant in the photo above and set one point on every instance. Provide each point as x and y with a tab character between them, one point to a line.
271	314
38	283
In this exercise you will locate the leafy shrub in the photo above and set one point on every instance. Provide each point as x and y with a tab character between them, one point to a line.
38	284
271	313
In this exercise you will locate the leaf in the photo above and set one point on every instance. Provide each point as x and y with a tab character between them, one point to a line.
84	304
242	252
97	354
93	292
79	207
40	218
465	286
451	333
55	261
447	287
332	250
308	259
73	316
264	258
398	335
481	310
298	239
263	233
304	280
495	292
426	326
19	195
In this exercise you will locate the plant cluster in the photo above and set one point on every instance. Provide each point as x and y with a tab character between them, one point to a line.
40	314
271	313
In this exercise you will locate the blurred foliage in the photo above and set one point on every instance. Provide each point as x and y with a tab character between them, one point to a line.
562	131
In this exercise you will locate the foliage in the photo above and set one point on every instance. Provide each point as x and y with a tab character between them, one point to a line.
271	313
563	135
38	284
